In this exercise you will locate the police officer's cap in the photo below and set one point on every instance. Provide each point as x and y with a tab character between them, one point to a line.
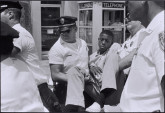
65	22
7	32
9	4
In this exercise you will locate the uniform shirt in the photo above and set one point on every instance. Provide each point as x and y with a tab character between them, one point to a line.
29	53
97	59
142	91
19	92
69	54
128	46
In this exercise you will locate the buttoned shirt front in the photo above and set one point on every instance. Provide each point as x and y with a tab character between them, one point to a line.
28	53
69	54
19	92
142	91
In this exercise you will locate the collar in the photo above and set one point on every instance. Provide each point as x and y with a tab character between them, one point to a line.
16	26
98	52
159	18
63	42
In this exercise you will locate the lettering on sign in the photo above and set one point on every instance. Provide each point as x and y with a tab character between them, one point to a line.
86	5
113	5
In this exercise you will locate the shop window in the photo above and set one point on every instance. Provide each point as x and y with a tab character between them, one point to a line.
85	26
114	20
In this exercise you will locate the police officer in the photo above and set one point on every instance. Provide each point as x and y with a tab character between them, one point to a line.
68	59
142	91
25	50
16	96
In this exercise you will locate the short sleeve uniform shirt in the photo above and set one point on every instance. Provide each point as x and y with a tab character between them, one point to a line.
69	55
142	91
29	53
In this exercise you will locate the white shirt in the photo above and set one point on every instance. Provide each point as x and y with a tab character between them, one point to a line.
67	54
19	92
142	91
29	53
99	60
128	46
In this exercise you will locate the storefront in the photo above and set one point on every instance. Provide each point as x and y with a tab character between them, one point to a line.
93	17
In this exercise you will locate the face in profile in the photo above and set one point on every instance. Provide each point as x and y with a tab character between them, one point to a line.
104	42
133	24
137	10
70	35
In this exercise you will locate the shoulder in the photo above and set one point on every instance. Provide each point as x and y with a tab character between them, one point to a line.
83	42
115	46
56	48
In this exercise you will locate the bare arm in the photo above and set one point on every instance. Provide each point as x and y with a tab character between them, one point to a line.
127	60
57	73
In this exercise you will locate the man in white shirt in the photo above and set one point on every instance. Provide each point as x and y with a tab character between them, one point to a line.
68	59
25	50
135	28
142	91
19	92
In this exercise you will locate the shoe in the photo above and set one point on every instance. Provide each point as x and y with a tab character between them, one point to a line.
95	107
81	109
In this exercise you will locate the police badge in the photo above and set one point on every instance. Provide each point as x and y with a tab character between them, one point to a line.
161	40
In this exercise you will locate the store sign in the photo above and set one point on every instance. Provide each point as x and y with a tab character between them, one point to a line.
113	5
86	5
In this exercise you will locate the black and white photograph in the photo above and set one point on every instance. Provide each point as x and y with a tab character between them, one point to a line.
82	56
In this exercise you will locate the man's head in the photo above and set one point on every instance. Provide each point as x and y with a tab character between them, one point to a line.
144	10
105	40
67	27
6	38
10	12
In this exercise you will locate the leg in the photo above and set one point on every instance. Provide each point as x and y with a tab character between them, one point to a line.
75	88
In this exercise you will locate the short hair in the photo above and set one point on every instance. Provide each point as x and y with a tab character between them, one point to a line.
159	3
16	11
109	33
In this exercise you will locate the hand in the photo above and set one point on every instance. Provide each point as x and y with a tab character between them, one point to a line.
87	77
95	70
127	60
131	55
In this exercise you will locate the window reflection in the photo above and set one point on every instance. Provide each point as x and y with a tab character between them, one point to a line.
85	18
86	34
111	17
48	15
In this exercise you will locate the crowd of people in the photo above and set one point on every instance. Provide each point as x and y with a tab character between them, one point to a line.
115	78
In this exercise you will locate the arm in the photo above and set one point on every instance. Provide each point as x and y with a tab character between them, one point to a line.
127	60
57	73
